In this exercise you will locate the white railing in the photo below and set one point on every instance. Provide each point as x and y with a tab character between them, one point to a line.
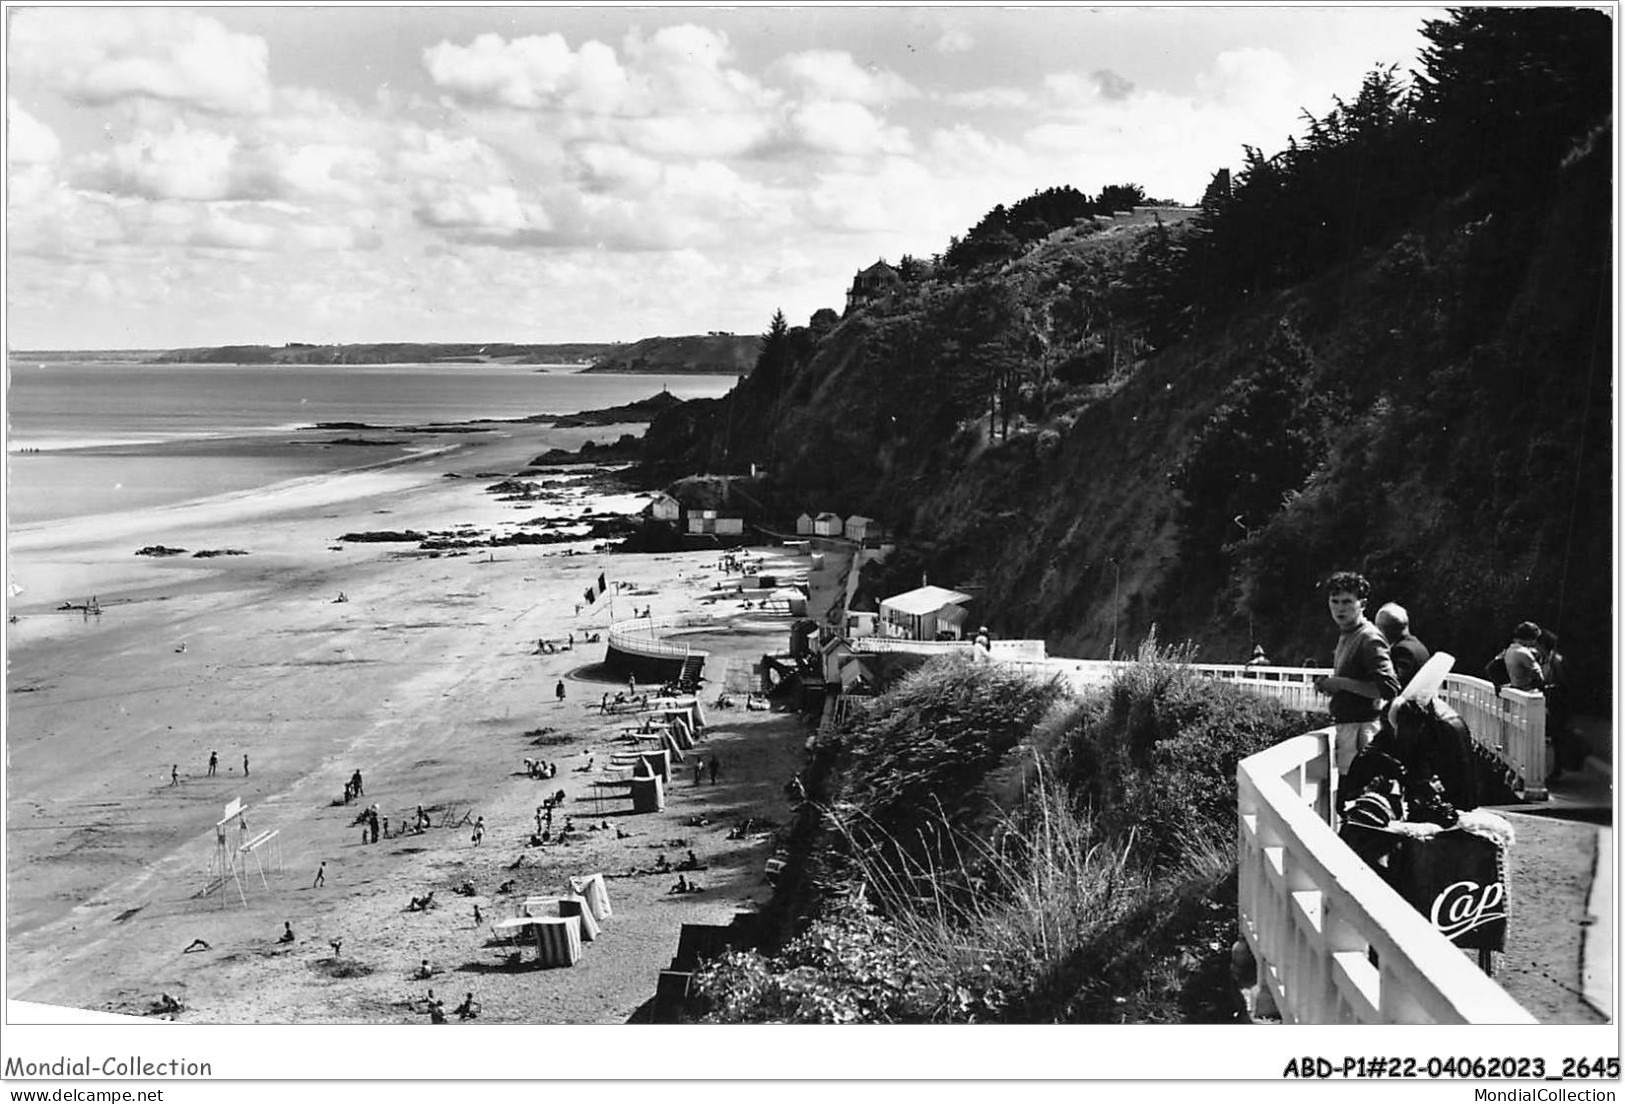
1012	650
641	635
1512	723
1312	911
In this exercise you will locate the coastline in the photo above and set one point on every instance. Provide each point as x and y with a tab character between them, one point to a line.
427	678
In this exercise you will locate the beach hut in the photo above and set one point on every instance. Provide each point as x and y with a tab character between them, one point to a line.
665	508
861	623
858	527
827	525
699	523
729	526
923	614
804	525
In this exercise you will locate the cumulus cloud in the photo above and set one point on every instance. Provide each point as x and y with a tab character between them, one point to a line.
844	128
496	210
530	72
1247	77
102	55
955	40
1111	86
677	69
184	162
28	141
221	231
836	75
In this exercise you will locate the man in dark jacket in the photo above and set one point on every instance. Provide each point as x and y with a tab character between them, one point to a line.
1407	652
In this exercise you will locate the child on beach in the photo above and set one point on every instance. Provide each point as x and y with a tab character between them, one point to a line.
479	831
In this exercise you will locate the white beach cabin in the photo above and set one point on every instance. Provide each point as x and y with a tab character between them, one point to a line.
924	614
827	525
858	527
665	508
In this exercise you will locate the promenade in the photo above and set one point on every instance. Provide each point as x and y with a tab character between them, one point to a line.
1559	960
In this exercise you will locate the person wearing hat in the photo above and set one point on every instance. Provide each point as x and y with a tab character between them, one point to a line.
1258	658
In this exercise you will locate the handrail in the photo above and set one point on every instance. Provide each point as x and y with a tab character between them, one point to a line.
1312	911
639	635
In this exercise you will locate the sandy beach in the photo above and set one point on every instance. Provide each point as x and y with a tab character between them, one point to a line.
428	680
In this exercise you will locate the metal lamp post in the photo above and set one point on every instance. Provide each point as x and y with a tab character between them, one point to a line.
1246	535
1117	578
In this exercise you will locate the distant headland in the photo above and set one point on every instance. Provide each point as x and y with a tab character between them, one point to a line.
700	354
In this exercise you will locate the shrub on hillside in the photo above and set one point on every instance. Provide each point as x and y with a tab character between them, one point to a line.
917	763
1156	754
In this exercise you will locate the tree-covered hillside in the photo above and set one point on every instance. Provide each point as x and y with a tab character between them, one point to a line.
1386	347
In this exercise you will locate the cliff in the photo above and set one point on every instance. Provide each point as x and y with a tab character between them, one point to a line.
713	354
1189	426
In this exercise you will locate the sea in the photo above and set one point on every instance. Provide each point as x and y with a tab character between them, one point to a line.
85	438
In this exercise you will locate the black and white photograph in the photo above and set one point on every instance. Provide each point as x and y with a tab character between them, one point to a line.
884	518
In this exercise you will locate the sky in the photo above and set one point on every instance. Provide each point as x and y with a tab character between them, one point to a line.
193	176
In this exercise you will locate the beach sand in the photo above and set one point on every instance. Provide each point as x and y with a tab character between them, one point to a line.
427	679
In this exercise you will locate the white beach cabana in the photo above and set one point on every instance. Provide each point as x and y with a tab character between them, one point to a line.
922	613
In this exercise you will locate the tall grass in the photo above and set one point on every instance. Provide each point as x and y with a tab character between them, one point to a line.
997	851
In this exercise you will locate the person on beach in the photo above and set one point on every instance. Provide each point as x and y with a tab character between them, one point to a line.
175	775
558	691
422	820
214	761
287	932
479	831
715	766
355	784
372	822
699	770
245	766
468	1009
631	686
321	876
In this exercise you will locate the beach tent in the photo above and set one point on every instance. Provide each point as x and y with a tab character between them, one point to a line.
648	795
558	940
569	904
591	886
653	764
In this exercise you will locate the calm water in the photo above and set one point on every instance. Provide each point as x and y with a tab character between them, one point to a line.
131	436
